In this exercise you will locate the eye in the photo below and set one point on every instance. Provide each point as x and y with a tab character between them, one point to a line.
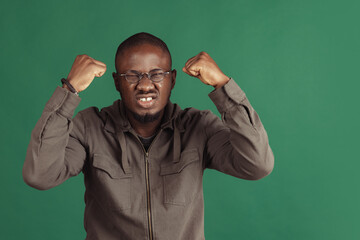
132	76
157	75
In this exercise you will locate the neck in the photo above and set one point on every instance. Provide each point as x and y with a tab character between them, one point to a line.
147	129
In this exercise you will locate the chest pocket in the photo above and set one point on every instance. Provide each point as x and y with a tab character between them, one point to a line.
182	180
109	183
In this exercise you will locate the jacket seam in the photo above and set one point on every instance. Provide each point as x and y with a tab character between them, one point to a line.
52	110
244	113
204	162
247	116
85	129
55	107
63	113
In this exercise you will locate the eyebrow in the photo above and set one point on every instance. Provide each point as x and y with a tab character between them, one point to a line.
155	69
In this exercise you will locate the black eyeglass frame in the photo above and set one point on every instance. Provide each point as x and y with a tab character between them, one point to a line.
140	75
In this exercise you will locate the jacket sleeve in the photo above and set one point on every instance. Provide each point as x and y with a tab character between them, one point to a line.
237	144
56	150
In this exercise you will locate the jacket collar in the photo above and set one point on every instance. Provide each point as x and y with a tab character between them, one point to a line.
117	123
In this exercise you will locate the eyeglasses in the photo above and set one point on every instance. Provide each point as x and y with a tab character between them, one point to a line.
156	75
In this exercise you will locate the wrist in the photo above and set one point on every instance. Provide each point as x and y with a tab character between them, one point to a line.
69	87
66	87
222	82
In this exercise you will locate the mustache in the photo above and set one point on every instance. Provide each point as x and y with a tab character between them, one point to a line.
141	92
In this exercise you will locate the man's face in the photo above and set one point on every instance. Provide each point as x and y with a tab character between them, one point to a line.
136	96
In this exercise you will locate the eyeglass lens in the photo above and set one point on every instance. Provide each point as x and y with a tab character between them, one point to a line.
155	76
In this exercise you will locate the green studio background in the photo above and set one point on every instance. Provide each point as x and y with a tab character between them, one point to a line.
297	61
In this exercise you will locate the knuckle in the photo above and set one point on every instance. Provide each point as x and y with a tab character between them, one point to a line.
89	61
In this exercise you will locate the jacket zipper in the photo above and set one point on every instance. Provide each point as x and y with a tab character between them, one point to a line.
148	193
148	181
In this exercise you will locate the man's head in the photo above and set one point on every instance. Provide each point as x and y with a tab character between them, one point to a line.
140	39
144	100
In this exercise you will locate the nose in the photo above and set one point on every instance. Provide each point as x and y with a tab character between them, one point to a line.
145	84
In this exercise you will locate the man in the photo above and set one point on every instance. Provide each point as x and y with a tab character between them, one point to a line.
143	157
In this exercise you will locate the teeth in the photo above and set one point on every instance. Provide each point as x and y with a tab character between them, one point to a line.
146	99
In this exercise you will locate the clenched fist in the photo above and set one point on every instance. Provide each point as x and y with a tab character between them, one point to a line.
203	67
83	72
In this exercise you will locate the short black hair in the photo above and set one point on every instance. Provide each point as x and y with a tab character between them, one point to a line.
139	39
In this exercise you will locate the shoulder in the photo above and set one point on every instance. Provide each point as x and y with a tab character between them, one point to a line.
193	116
93	115
199	124
89	113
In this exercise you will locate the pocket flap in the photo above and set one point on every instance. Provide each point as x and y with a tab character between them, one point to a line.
187	157
105	164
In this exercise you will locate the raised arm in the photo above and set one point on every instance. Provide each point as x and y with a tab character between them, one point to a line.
238	144
57	148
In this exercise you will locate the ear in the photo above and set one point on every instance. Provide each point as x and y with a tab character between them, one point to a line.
173	78
116	81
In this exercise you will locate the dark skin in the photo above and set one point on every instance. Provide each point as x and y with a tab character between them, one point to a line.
144	58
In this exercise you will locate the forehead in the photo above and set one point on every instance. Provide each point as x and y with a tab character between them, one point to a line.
144	58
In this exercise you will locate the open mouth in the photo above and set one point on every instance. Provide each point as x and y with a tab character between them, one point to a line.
146	101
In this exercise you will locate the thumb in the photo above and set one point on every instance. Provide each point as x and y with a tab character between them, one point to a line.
194	72
100	71
191	71
99	74
186	71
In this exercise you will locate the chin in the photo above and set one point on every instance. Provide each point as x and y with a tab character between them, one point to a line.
147	117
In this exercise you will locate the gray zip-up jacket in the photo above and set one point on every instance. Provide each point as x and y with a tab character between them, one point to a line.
136	194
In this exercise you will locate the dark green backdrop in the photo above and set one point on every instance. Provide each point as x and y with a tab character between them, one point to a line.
297	61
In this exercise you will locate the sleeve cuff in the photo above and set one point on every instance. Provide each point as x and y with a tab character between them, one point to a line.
227	96
63	101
